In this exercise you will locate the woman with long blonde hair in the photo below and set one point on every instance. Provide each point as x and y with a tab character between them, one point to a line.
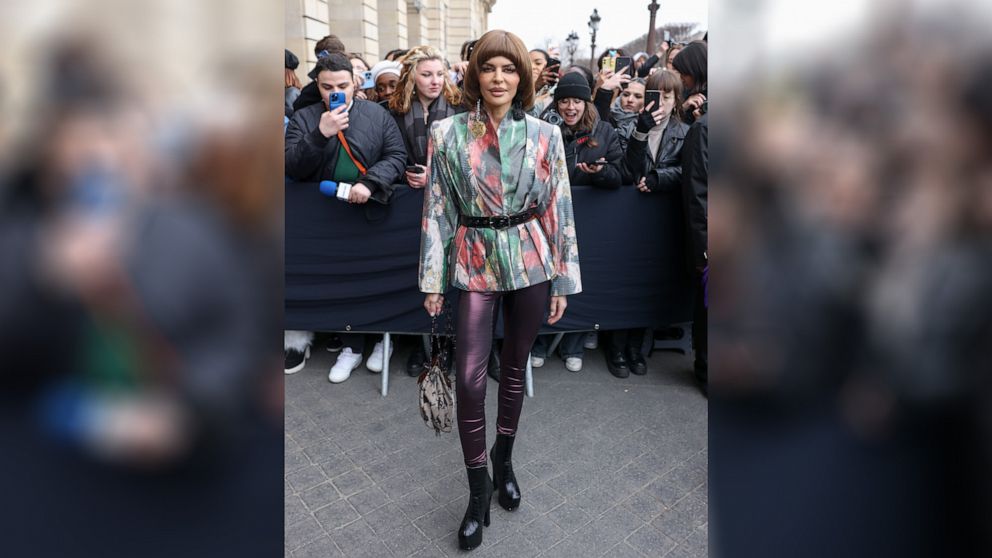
424	94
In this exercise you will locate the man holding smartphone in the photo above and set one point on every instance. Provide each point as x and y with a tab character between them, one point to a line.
349	141
356	143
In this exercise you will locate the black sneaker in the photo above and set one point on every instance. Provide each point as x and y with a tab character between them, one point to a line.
617	364
636	363
296	360
416	362
334	343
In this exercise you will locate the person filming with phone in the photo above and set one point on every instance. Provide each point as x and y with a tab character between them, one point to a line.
350	142
357	142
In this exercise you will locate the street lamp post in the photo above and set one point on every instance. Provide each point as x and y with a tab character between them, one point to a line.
594	20
571	43
653	8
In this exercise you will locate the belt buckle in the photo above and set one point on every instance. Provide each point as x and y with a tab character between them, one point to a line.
501	221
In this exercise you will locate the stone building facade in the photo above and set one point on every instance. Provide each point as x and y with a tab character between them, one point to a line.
374	27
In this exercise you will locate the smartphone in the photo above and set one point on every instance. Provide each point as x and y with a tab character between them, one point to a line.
609	63
415	169
652	96
367	82
335	100
668	36
625	62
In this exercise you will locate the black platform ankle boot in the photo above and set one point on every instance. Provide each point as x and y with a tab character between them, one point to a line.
480	488
504	480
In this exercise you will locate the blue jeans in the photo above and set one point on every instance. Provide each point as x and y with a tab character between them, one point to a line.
571	345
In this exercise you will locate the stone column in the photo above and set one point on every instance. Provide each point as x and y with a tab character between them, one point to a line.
306	23
393	28
416	23
356	23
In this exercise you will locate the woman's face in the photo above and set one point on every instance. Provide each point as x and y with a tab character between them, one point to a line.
537	64
632	98
429	79
571	110
498	81
671	56
385	85
358	66
688	82
667	102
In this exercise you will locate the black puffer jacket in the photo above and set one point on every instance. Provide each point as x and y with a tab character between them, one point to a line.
664	171
372	134
579	149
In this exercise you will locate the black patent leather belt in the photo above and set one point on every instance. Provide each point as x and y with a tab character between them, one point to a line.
498	221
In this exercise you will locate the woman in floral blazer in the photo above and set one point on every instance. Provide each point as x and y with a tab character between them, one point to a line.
498	225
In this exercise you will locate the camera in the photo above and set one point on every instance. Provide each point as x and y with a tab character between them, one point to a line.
552	117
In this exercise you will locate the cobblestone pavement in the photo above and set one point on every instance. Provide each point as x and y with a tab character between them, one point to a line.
607	467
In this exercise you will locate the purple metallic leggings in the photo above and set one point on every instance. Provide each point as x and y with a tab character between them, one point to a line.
523	312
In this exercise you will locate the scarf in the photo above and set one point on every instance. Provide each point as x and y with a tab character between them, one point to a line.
413	121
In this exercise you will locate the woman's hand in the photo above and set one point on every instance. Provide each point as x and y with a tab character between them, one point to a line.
615	80
643	185
602	77
418	180
694	101
591	168
558	305
433	303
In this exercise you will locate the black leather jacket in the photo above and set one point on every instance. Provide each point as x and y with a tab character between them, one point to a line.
579	149
666	166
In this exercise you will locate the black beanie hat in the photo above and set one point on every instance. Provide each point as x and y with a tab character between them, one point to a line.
574	86
291	60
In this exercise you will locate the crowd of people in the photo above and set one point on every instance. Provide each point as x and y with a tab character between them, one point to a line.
643	126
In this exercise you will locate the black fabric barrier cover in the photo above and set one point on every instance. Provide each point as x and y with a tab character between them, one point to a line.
354	268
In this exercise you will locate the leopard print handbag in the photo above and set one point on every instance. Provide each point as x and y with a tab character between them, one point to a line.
437	406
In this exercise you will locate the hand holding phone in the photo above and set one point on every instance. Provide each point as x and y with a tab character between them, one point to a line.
625	64
652	96
415	169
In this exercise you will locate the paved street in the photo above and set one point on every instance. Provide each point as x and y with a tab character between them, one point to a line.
607	467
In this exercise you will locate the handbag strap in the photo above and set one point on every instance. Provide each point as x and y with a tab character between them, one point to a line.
347	149
440	343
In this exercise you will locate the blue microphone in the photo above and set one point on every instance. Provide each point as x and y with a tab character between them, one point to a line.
329	188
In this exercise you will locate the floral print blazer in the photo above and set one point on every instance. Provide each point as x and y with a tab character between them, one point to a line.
502	172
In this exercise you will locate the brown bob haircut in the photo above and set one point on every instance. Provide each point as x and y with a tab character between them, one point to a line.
499	43
666	80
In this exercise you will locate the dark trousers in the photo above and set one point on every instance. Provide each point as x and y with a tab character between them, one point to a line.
627	339
523	312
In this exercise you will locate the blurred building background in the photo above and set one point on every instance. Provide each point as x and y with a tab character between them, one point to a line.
374	27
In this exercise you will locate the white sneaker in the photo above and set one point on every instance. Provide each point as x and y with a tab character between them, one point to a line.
347	361
374	362
536	362
574	364
592	341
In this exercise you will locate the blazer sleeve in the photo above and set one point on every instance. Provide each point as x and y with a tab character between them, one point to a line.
306	151
558	222
440	217
611	176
